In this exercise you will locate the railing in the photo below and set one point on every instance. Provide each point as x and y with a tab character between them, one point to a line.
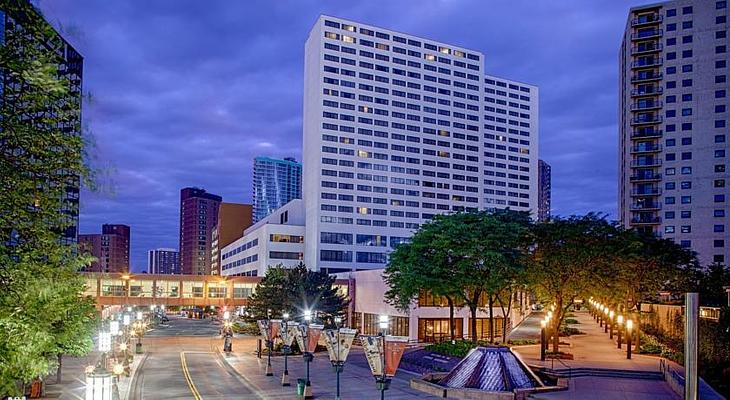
646	163
647	192
646	206
639	134
647	63
646	49
647	77
646	220
652	91
646	120
645	177
712	313
646	148
646	105
647	19
647	34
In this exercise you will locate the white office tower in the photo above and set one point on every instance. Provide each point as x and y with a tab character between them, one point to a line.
399	128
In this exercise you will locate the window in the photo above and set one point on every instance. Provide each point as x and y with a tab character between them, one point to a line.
718	228
671	12
719	198
719	213
687	10
718	243
669	229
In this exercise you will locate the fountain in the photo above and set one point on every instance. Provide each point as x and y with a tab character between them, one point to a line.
493	373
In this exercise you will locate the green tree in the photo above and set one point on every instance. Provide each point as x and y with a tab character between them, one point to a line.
568	259
294	290
42	155
713	281
424	265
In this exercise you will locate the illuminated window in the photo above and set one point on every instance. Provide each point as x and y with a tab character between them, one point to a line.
348	28
443	154
458	53
348	39
364	154
381	46
429	57
444	50
332	35
444	133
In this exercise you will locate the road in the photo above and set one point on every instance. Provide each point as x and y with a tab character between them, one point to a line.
182	363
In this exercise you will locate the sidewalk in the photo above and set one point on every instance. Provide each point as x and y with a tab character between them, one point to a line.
356	381
529	328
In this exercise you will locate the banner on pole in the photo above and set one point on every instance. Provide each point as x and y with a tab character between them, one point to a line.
338	343
312	333
371	346
394	348
275	328
288	332
265	328
384	360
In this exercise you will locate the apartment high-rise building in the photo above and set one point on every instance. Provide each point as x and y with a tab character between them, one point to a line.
163	262
544	190
233	219
674	124
16	20
275	183
198	216
399	128
110	247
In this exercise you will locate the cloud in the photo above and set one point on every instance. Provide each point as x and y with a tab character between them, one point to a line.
187	93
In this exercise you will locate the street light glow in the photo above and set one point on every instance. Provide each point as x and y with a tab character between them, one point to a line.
139	315
383	321
620	319
308	315
629	324
125	320
114	327
285	315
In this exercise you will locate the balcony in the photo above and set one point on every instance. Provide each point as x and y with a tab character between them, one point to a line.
646	206
644	120
652	162
647	34
655	76
646	148
652	62
651	191
642	49
644	133
647	91
653	220
645	177
647	19
646	105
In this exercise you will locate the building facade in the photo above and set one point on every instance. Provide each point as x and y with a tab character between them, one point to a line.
544	195
15	22
398	129
275	183
277	239
110	248
163	262
673	124
233	219
198	216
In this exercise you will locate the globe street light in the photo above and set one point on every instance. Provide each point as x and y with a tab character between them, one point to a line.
543	324
610	320
620	322
629	327
383	381
286	338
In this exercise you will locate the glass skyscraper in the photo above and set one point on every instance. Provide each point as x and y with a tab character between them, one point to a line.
275	183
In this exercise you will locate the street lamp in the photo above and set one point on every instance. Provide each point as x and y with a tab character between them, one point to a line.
287	337
629	327
269	343
383	382
605	314
610	320
543	324
338	342
307	338
620	322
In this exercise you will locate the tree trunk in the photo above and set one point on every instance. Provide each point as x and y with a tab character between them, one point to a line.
58	371
491	319
473	322
452	325
637	336
556	324
505	316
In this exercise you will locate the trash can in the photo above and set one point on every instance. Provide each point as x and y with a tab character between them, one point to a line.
301	384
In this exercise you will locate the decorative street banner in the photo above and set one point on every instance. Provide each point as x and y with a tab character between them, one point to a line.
288	332
275	328
338	345
394	348
312	332
371	346
265	328
375	354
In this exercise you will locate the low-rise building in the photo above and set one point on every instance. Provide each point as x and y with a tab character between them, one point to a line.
277	239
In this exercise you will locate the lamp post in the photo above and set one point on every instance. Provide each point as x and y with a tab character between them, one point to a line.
269	344
629	327
383	381
543	324
600	315
227	333
620	322
285	348
605	315
308	357
610	328
307	335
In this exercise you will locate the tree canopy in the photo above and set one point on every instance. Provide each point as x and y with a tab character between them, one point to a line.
42	155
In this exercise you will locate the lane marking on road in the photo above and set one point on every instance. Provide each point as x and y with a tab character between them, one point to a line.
188	378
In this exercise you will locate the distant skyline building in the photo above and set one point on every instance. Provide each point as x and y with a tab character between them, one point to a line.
275	183
110	247
163	261
233	219
198	216
544	190
70	70
399	128
673	140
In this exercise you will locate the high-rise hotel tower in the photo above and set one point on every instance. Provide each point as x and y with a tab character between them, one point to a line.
673	124
399	128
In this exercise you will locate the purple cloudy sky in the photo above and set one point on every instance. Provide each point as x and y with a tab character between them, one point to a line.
188	92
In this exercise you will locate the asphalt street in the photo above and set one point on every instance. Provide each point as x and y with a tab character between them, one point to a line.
181	363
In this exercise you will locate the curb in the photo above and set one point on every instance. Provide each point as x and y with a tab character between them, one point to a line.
232	371
133	377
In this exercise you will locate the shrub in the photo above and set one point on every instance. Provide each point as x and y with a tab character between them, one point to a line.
522	342
570	321
569	331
